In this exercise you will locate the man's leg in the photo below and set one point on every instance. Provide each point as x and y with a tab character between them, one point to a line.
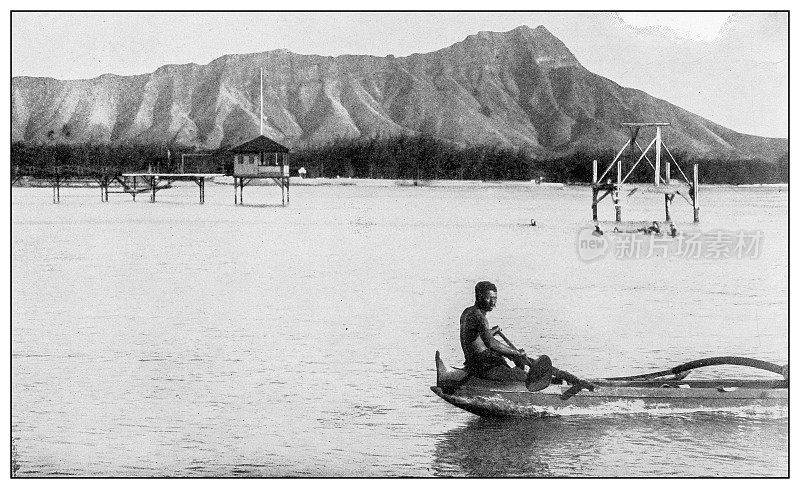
571	379
493	366
539	374
504	373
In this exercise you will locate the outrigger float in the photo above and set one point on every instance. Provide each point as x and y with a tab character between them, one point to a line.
656	390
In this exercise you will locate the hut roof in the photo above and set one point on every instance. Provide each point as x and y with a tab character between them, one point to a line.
258	145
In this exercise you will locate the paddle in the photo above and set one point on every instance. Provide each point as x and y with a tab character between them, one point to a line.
707	362
542	368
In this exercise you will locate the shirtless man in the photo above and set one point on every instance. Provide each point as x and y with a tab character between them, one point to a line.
484	356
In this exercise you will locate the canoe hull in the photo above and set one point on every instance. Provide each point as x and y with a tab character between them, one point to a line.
513	399
607	400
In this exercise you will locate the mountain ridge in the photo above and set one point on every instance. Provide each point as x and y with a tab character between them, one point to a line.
521	88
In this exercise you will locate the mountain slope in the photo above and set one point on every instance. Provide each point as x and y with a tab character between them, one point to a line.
520	88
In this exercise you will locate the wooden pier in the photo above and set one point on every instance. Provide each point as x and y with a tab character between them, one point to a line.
64	175
153	182
107	178
664	184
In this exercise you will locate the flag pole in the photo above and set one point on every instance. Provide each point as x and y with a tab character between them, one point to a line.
261	101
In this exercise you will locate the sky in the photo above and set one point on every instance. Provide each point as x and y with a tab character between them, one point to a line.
68	45
75	45
702	26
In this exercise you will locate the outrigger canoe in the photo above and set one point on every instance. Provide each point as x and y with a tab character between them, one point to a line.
658	390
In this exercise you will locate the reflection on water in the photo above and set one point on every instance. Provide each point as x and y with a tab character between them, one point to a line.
499	447
699	445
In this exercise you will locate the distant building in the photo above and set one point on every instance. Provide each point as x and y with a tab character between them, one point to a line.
260	157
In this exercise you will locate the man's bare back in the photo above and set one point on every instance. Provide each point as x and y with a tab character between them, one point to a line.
473	323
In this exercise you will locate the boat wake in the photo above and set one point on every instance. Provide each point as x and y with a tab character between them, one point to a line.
639	407
626	407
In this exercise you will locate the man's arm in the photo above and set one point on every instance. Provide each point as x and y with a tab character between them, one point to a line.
487	335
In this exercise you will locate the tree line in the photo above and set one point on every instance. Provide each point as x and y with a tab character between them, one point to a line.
413	157
72	160
424	157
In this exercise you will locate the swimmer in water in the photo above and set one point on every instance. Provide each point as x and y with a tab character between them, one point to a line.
653	229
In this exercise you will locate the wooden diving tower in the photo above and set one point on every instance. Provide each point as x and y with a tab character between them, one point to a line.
661	184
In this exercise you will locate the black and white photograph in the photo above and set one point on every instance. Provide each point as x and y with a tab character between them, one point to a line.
398	243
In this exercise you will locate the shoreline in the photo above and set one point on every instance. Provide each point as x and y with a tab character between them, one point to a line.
376	182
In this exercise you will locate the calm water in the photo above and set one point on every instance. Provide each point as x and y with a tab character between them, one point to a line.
174	339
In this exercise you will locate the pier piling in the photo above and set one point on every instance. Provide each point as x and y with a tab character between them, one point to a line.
667	201
695	199
615	195
56	190
594	190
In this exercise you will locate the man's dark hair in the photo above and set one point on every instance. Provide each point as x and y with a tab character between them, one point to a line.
482	287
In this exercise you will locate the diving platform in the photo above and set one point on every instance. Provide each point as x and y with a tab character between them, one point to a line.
631	188
663	183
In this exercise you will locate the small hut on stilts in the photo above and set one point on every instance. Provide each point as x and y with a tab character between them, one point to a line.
259	158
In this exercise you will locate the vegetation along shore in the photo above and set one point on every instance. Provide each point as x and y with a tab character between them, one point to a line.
414	158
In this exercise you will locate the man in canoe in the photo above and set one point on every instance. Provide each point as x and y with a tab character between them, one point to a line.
484	356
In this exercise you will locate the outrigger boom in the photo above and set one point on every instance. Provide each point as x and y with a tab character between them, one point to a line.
711	361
